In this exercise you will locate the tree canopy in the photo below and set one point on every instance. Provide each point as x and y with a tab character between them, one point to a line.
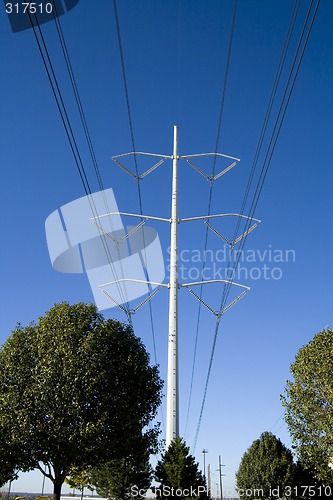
76	390
79	479
124	478
308	401
266	469
178	474
7	461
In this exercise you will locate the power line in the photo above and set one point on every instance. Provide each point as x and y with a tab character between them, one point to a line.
278	420
129	114
224	88
278	124
270	150
69	133
60	104
76	94
266	164
90	146
269	107
259	147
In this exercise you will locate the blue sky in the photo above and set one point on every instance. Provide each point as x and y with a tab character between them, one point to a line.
175	56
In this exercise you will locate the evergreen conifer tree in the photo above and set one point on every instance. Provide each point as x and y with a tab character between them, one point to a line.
178	474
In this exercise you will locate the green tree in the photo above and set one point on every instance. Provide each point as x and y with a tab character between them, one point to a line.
308	401
79	480
307	485
178	473
7	460
124	478
75	391
266	469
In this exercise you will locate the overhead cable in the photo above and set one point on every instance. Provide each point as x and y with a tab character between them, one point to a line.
224	88
40	40
293	73
129	115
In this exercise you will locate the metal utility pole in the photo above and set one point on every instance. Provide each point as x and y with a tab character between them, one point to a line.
209	481
43	483
9	488
204	451
220	471
172	424
172	429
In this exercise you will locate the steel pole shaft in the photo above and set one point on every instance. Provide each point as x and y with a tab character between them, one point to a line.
172	428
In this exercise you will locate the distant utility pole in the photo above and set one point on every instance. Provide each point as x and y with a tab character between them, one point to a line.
43	483
220	472
9	488
172	425
209	481
204	451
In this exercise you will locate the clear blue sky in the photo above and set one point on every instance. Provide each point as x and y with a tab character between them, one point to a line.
175	56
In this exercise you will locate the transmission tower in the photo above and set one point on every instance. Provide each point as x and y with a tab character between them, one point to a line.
172	426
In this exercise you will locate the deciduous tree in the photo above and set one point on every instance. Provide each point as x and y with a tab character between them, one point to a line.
7	460
76	390
79	480
308	401
307	486
124	478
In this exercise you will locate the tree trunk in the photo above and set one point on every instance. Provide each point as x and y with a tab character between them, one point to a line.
57	484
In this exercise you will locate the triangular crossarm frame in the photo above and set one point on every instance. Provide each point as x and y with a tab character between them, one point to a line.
227	282
231	243
150	296
147	172
213	178
188	158
205	218
123	238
